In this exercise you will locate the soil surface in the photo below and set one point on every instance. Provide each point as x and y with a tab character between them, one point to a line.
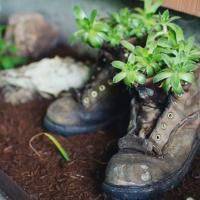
49	177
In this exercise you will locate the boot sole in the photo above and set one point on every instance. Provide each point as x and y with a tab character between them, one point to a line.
76	130
153	191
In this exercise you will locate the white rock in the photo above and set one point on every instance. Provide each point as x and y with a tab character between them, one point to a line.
48	77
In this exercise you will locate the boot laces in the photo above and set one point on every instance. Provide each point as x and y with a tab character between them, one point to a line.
138	135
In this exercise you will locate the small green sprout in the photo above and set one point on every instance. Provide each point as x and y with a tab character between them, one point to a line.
62	151
165	22
59	146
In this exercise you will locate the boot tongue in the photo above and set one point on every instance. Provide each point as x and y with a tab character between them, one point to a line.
152	102
143	119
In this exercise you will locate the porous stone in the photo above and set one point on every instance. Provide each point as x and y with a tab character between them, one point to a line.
31	33
48	77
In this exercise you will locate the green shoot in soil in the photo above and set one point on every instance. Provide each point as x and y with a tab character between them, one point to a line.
62	151
59	146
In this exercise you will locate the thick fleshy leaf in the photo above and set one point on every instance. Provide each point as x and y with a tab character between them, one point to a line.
156	5
140	78
165	15
178	30
93	15
174	18
95	41
187	77
100	26
161	76
118	64
102	35
131	77
120	76
79	13
176	84
128	45
166	85
178	89
167	60
82	23
131	58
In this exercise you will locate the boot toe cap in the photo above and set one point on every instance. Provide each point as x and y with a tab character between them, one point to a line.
134	170
63	111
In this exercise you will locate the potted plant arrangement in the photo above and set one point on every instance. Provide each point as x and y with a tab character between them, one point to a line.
97	105
163	132
158	57
146	72
162	138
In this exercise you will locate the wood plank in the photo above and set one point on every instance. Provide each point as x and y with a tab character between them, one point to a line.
11	189
188	6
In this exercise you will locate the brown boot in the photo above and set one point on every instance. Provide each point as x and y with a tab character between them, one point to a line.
97	105
145	110
145	167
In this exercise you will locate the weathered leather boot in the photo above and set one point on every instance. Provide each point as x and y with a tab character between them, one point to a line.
97	105
147	166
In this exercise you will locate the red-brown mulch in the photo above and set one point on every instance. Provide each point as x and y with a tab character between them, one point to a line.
51	177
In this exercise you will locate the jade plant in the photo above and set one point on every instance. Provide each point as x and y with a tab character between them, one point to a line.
117	26
8	53
167	58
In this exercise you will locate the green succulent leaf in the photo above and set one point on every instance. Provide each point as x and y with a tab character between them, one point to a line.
187	77
141	78
79	13
179	32
118	64
93	16
128	45
120	76
162	75
131	58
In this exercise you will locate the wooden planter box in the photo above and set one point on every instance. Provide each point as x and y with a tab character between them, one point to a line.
191	7
11	189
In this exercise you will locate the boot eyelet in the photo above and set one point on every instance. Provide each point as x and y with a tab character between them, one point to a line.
98	68
94	94
158	137
170	115
102	88
163	126
86	101
110	82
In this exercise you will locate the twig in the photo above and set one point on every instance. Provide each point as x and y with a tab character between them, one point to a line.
31	146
